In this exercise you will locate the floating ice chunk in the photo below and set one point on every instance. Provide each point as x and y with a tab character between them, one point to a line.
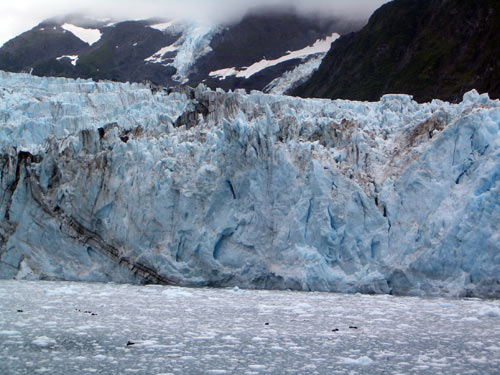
176	292
229	338
257	367
44	342
489	312
361	361
42	370
187	358
9	333
478	360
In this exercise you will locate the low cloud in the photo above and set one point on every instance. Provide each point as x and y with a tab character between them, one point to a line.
21	15
224	10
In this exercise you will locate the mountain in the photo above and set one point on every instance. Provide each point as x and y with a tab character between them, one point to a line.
426	48
271	37
105	181
269	41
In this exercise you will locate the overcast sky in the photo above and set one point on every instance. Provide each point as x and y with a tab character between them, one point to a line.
17	16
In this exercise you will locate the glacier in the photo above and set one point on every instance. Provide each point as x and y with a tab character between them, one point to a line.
105	181
193	43
295	77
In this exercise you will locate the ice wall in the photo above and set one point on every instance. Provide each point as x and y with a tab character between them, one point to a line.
124	182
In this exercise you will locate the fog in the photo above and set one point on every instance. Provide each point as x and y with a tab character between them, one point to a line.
22	15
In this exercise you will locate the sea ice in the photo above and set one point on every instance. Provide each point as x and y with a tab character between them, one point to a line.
212	331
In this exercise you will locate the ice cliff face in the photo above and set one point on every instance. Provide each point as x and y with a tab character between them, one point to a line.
107	181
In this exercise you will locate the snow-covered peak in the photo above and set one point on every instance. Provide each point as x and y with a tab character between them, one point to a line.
89	36
162	26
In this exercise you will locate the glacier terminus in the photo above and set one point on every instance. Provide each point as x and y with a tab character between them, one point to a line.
104	181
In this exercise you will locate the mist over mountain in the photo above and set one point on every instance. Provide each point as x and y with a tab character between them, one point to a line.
252	53
19	16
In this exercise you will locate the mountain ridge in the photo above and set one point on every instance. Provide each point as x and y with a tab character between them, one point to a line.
168	53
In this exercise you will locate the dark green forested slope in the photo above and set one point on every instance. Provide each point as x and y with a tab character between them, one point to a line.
426	48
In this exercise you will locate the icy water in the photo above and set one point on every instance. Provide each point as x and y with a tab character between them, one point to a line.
78	328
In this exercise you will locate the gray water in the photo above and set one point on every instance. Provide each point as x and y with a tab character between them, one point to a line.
80	328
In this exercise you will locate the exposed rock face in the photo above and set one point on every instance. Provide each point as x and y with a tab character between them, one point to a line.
107	181
31	47
431	49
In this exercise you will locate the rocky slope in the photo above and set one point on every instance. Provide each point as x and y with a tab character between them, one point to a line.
168	53
107	181
426	48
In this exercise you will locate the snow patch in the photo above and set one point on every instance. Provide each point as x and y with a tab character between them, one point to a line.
89	36
162	26
224	73
157	57
320	46
73	58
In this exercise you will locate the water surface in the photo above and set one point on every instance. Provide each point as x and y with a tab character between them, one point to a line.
76	328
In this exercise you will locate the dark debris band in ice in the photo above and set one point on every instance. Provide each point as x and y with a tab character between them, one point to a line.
69	328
